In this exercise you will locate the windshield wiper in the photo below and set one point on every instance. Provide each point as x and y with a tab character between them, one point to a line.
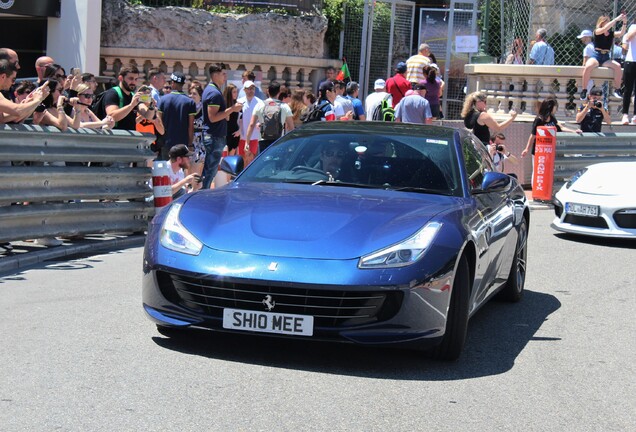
346	184
418	190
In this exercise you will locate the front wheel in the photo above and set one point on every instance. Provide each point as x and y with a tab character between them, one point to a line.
457	319
513	290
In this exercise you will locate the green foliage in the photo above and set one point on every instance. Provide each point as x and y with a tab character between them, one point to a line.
333	11
567	47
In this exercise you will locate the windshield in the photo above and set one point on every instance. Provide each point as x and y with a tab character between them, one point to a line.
362	159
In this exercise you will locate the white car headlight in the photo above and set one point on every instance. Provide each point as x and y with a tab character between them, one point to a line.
404	253
175	237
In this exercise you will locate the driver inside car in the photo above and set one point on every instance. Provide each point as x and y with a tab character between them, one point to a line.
331	157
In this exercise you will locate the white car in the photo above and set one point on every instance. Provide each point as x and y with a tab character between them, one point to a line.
599	200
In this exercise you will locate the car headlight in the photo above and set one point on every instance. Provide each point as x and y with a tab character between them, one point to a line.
175	237
575	177
404	253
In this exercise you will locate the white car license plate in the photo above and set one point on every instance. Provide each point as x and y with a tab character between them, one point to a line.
581	209
268	322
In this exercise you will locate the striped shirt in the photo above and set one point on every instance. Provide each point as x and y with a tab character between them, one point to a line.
414	67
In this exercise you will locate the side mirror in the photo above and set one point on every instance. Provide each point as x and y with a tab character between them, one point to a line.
495	182
232	165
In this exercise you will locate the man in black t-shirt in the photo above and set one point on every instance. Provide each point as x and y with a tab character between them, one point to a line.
593	113
122	104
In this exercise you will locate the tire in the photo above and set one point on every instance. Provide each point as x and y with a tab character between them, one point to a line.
513	289
457	319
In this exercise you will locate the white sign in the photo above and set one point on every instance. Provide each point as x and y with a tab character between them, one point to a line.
466	44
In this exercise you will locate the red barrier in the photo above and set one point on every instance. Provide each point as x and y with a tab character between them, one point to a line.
543	173
161	184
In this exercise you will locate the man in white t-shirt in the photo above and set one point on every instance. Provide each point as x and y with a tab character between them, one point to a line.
374	99
179	161
248	148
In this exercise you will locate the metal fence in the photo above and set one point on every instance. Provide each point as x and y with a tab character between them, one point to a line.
41	199
376	36
304	6
505	21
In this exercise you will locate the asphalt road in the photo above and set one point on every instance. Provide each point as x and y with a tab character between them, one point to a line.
78	354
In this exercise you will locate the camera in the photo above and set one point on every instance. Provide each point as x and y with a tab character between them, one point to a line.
500	148
598	104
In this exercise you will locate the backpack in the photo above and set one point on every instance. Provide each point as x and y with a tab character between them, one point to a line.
272	126
314	113
99	108
384	111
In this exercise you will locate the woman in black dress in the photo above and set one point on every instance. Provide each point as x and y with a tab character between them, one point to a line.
233	133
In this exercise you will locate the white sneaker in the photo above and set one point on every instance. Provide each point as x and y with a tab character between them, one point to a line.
634	120
625	120
49	241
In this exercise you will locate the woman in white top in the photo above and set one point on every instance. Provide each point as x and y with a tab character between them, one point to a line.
516	52
88	119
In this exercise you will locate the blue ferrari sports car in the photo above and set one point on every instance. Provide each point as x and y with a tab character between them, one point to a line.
367	232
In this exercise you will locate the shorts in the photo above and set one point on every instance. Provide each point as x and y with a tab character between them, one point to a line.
253	147
601	58
435	111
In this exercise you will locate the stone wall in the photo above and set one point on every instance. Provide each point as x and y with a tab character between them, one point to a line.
175	28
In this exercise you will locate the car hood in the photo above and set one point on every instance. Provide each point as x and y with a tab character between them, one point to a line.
315	222
608	179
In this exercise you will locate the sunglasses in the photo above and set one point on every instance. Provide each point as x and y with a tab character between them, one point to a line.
87	95
332	153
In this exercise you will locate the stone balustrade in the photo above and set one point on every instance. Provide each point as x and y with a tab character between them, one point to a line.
293	71
525	86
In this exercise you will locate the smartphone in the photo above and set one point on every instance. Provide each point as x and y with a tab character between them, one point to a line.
145	98
75	71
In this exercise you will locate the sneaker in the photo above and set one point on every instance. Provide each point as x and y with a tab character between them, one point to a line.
583	94
634	120
625	120
617	94
49	241
6	247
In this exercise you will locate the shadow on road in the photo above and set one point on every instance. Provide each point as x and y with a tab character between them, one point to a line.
599	241
496	336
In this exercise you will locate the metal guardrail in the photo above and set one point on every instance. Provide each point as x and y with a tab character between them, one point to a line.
42	200
574	152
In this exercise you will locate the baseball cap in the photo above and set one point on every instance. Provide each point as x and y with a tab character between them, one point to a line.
248	84
180	150
585	33
178	77
401	67
420	86
379	84
596	91
327	85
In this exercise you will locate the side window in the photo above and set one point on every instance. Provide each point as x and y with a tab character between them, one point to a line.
476	160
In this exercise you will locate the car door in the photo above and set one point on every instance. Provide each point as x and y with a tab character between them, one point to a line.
491	222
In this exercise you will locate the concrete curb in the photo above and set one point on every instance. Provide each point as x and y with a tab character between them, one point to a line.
14	263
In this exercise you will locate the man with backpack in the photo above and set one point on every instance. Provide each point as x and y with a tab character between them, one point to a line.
121	102
274	117
377	98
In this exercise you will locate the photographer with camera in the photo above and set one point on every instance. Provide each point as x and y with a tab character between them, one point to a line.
499	153
592	114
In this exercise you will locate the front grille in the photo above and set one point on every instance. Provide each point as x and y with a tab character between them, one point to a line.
593	222
330	308
625	219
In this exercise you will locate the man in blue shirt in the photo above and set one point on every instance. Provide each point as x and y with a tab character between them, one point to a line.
541	53
414	108
177	113
352	94
215	114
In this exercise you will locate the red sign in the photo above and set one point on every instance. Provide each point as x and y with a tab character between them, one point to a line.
543	173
